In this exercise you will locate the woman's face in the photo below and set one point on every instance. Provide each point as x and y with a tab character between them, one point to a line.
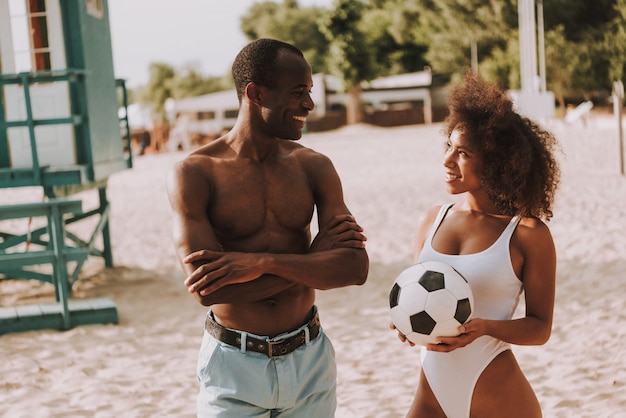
464	167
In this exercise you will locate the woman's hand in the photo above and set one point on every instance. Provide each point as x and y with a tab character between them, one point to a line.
401	336
467	333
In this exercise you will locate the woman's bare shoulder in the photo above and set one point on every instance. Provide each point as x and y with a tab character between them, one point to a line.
532	233
533	226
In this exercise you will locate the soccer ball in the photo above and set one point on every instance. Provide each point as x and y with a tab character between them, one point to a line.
429	300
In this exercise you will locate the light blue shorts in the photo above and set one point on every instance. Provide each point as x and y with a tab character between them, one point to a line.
247	384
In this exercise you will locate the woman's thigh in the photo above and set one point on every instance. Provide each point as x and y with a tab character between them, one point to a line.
424	403
503	390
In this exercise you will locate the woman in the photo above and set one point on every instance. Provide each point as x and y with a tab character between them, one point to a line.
496	238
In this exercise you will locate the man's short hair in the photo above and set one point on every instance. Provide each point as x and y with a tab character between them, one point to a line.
256	63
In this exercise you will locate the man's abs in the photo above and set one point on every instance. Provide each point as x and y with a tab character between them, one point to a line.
278	314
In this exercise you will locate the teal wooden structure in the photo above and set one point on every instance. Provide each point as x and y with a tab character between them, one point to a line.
59	130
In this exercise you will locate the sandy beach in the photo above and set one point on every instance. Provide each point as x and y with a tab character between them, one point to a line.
145	365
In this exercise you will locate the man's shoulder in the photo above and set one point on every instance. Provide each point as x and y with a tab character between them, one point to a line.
303	152
214	149
205	156
199	161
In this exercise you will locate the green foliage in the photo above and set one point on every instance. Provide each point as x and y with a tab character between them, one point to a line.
289	23
582	20
350	56
388	32
165	82
159	88
615	43
358	40
450	26
584	40
190	82
364	39
578	59
502	65
564	61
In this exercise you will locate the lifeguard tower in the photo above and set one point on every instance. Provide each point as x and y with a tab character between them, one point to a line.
59	130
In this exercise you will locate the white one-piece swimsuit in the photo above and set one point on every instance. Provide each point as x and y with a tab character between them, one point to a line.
453	376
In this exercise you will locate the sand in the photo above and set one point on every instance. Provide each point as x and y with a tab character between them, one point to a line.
145	365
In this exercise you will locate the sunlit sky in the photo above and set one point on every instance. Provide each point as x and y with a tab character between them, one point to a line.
178	32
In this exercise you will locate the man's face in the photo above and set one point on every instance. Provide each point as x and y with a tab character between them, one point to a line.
286	106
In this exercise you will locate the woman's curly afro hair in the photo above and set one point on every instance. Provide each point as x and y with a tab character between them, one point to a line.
521	173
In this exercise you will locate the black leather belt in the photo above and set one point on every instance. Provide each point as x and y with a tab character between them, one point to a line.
265	346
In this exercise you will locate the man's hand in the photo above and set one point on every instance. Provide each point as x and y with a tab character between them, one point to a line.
220	269
341	232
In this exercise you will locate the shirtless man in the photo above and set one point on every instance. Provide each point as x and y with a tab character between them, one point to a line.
242	207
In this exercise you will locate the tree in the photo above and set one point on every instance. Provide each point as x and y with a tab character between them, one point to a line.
159	88
501	66
166	82
189	82
356	41
350	56
564	59
582	20
580	26
359	40
449	27
577	60
289	23
615	43
387	25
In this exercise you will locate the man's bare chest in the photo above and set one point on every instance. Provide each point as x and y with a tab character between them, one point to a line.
249	200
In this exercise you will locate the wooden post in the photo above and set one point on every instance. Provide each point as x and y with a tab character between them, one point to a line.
542	47
527	46
474	56
618	104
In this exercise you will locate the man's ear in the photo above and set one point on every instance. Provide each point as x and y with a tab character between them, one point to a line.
254	93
